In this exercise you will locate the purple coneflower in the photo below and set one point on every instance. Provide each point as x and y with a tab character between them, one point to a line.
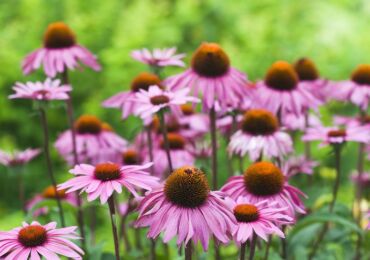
260	136
35	241
159	57
60	51
297	165
17	158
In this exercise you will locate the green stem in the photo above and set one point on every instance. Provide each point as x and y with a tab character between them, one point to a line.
112	213
165	139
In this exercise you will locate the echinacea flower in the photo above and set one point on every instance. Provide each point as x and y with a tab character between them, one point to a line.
105	178
362	180
50	193
60	51
357	89
262	218
185	206
293	122
94	139
212	77
33	241
297	165
336	135
47	90
282	92
155	99
125	100
265	181
159	57
353	121
18	157
260	136
179	154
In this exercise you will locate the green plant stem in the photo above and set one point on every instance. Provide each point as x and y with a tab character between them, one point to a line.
242	251
253	247
112	213
165	139
267	251
212	119
189	251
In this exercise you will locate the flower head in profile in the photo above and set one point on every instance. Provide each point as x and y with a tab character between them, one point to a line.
185	207
265	181
260	136
159	57
262	218
155	99
47	90
34	241
297	165
336	135
212	77
281	91
95	141
18	157
105	178
59	53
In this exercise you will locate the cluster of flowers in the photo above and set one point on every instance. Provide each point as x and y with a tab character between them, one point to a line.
158	167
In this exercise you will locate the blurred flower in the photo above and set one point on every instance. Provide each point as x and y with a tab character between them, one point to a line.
293	122
95	141
200	149
185	206
192	125
262	218
129	206
18	157
225	123
362	180
48	90
51	193
298	165
60	52
155	99
125	100
353	121
105	178
32	241
260	136
159	57
179	154
357	89
212	77
281	92
264	181
335	135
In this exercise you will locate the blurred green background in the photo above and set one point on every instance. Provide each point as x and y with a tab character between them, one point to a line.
334	33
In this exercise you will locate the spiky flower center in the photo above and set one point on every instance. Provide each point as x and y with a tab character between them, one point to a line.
58	35
159	100
210	60
175	141
263	179
337	133
130	157
259	122
246	213
306	69
187	187
187	109
361	75
88	124
51	193
281	76
107	171
32	236
144	80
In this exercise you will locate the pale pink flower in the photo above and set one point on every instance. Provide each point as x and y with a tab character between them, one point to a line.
297	165
34	241
185	207
47	90
260	136
293	122
159	57
264	181
362	180
59	53
336	135
212	77
18	157
353	121
262	218
105	178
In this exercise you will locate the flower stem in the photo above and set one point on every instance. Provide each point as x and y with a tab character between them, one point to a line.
112	213
44	125
337	154
266	257
165	139
150	147
188	251
212	119
242	251
152	249
80	217
253	247
124	234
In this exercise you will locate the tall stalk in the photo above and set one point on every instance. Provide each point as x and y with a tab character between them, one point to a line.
212	119
165	139
44	125
189	251
242	251
253	247
112	213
